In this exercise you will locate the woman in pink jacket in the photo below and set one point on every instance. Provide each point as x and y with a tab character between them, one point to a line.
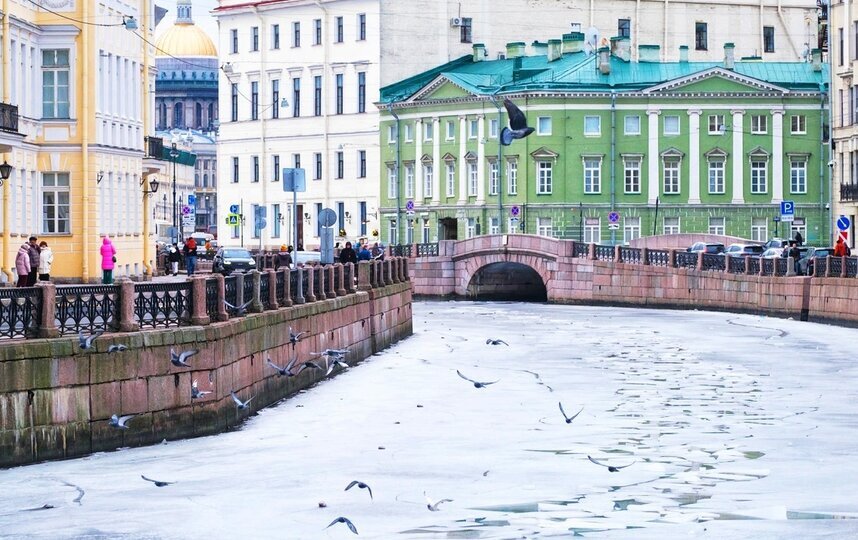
108	260
22	264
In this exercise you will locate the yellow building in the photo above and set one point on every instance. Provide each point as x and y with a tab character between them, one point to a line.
81	96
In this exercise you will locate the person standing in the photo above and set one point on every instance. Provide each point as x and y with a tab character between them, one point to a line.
46	260
22	265
191	255
364	254
347	254
283	258
34	252
108	261
174	257
840	247
798	238
377	252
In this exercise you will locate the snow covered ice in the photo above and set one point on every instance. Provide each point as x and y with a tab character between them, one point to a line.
737	427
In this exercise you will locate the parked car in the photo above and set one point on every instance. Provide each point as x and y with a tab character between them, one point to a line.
805	264
776	243
773	253
232	259
706	247
306	257
740	250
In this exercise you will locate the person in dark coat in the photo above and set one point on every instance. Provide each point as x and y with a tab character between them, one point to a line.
174	257
798	238
347	254
34	252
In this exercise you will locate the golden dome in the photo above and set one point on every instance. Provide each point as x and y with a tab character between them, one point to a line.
184	40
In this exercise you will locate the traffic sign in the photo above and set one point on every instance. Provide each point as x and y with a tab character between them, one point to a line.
515	210
294	180
843	223
232	219
233	209
409	206
186	210
614	217
787	208
787	218
192	199
261	223
844	235
613	226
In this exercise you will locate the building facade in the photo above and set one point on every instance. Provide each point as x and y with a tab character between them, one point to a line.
621	148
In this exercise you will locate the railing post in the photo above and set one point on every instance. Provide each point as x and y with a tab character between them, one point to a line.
199	315
671	257
405	270
747	265
700	261
395	265
222	313
618	257
125	311
271	276
341	279
286	301
591	254
387	271
349	273
790	270
299	283
760	265
644	255
320	276
843	266
239	288
364	279
47	323
311	284
332	285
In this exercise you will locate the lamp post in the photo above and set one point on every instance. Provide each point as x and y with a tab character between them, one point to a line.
174	155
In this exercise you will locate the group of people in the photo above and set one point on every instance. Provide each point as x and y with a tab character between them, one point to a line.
33	262
188	252
363	253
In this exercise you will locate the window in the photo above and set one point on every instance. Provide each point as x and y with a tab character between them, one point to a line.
275	218
840	47
391	133
317	31
631	228
592	126
671	125
427	130
254	38
339	38
494	225
318	221
671	225
340	165
256	216
296	97
759	181
493	128
769	39
798	227
512	225
473	128
451	130
716	123
472	179
296	161
451	178
494	181
254	100
543	125
255	177
363	218
341	215
592	230
716	174
543	177
632	173
275	98
275	172
406	132
624	27
759	229
466	31
392	232
470	228
671	175
391	181
361	163
178	115
235	170
798	175
56	207
592	174
317	159
700	36
512	177
339	86
361	27
798	124
759	124
233	38
716	225
361	108
234	102
296	34
543	226
428	179
633	125
275	36
409	180
409	231
317	95
55	83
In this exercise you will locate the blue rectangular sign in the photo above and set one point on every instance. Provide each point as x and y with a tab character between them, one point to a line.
787	208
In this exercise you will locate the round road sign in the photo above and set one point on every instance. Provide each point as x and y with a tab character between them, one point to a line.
843	223
614	217
327	217
514	210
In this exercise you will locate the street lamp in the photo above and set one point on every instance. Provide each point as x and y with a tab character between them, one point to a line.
174	155
5	172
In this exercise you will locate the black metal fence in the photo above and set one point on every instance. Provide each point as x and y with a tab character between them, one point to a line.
86	308
20	311
427	250
658	257
685	259
162	304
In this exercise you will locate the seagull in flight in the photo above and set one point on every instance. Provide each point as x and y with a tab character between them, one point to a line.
121	422
196	393
477	384
359	484
283	371
241	404
293	337
117	348
433	506
158	483
180	360
86	341
611	468
309	365
239	310
518	128
569	418
345	520
492	341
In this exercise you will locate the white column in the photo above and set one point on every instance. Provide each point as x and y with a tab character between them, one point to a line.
481	160
463	169
418	163
436	161
694	156
653	182
738	158
777	156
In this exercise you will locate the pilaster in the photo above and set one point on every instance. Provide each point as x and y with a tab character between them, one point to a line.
738	157
777	156
653	183
694	156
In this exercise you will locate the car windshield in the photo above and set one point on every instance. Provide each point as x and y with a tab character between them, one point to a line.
754	249
236	254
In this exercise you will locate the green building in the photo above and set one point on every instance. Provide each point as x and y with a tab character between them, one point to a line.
660	147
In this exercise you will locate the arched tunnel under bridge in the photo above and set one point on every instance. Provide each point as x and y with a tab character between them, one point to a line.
507	281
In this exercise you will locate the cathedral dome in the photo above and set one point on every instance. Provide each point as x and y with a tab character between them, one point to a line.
184	39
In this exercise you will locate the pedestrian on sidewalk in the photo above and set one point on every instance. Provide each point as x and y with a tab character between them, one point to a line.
22	265
46	260
348	255
108	260
191	255
34	252
840	247
173	258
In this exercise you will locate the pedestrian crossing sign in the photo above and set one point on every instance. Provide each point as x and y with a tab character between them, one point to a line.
232	219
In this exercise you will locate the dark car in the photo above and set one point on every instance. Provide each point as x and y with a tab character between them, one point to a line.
232	259
706	247
805	264
740	250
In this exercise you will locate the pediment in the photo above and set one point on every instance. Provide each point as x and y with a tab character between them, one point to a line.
470	156
544	153
426	159
673	152
716	153
715	81
760	153
449	157
440	88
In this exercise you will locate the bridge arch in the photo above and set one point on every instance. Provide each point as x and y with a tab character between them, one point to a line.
507	280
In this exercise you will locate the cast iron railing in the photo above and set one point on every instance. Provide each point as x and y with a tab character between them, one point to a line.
8	118
427	250
781	266
851	267
605	253
630	255
86	307
230	286
264	290
162	304
658	257
212	307
754	265
835	265
685	259
400	250
581	249
736	265
293	285
768	267
282	276
248	288
713	262
20	311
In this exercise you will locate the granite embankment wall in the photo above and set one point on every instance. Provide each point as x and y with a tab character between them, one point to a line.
55	399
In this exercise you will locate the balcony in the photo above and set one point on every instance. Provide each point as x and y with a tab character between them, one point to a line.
9	136
848	192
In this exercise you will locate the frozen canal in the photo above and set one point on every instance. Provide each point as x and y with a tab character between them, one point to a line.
734	426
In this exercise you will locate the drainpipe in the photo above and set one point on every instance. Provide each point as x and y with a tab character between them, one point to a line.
396	176
500	167
146	120
7	93
262	132
613	160
822	170
84	137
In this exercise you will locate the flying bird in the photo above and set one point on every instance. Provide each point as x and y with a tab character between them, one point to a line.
309	365
476	383
158	483
611	468
293	337
117	348
121	422
359	484
433	506
492	341
240	404
180	360
196	393
238	310
518	128
569	418
342	519
283	371
86	341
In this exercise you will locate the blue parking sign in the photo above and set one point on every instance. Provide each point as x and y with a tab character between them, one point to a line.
787	208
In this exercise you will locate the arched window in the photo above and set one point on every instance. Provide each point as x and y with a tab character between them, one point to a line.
178	116
198	115
162	115
211	114
205	180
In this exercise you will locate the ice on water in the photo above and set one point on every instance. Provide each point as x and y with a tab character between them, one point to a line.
738	426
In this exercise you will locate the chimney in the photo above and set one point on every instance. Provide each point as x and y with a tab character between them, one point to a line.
816	59
479	52
539	48
729	61
621	48
515	49
573	42
604	60
683	53
554	50
648	53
